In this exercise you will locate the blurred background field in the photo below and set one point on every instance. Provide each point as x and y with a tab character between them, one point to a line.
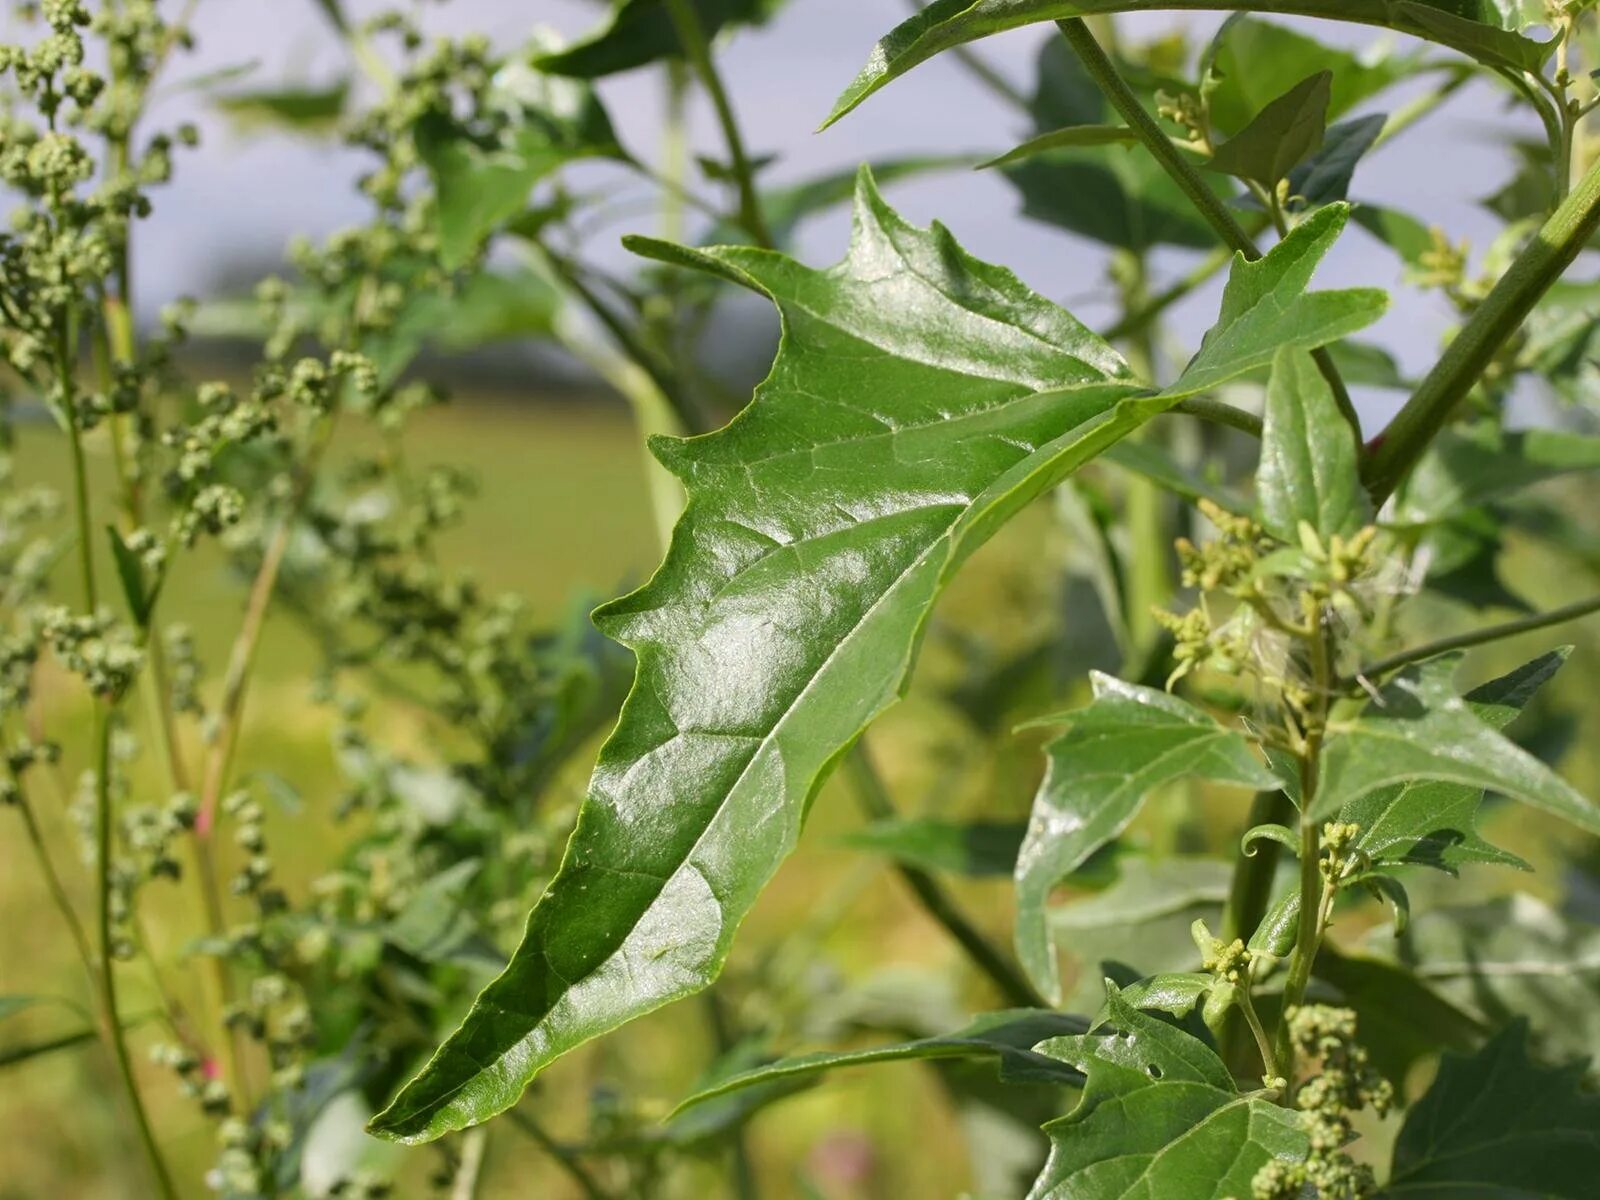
562	517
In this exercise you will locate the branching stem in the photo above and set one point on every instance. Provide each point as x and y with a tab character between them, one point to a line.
1476	637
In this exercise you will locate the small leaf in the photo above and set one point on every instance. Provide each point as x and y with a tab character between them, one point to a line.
1127	743
305	109
1008	1036
1497	1126
481	185
1308	456
975	848
1061	139
1175	992
1160	1116
1266	308
1282	135
140	596
1269	832
640	32
1419	728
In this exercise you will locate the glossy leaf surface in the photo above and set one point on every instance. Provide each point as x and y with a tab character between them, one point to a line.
1420	728
1160	1116
1008	1036
1475	27
920	398
1127	743
1498	1126
1308	456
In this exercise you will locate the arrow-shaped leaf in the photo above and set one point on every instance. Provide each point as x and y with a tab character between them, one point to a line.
1281	136
919	399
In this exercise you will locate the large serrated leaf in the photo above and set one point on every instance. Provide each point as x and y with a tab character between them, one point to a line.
1418	728
1308	455
1498	1126
1127	743
1475	27
920	398
1160	1117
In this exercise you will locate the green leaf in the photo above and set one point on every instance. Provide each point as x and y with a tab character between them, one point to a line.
309	110
1308	456
1563	340
1326	176
920	397
1401	232
1419	728
640	32
1509	957
1174	992
1481	30
139	595
1252	61
1062	139
1498	1126
1265	307
1008	1036
975	848
1120	748
1281	136
1430	822
481	184
1160	1116
1156	464
1470	465
334	11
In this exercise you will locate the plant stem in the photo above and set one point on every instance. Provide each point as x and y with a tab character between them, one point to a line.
875	801
52	881
102	792
1257	1030
1219	413
1249	893
1210	206
1315	892
744	1176
1393	453
469	1173
1478	637
564	1156
698	51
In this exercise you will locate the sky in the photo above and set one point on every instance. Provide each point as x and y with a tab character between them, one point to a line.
245	194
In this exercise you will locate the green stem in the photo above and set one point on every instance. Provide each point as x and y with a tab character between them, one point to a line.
1315	893
1249	893
698	50
722	1033
1257	1030
1219	413
1210	206
564	1156
1394	452
52	880
1477	637
875	801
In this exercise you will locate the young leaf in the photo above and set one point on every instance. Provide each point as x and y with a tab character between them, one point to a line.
1266	308
139	595
1062	139
642	31
1130	741
1173	992
1282	136
1419	728
976	848
920	399
1475	27
305	109
1498	1126
1160	1116
1008	1036
1431	822
1251	61
480	186
1308	455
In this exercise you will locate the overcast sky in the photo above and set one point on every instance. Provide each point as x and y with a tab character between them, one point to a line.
243	196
